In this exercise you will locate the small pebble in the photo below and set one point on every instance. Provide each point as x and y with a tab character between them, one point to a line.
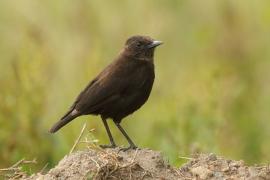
212	157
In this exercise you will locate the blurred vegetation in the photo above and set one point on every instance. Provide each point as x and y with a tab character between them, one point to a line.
212	85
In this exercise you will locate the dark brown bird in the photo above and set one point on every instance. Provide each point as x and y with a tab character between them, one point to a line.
120	89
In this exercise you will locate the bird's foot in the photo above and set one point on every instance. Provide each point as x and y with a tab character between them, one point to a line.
128	148
107	146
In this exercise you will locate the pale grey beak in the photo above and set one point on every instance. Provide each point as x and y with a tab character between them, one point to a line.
154	44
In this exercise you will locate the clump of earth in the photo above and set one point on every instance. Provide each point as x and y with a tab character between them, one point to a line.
101	164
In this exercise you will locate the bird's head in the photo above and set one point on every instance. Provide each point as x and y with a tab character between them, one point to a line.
141	47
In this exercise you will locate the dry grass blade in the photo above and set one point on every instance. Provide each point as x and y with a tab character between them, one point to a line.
43	169
78	139
187	158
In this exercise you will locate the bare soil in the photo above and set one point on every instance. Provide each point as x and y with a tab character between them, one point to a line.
147	164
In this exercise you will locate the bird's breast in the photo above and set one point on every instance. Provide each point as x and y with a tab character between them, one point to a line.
143	76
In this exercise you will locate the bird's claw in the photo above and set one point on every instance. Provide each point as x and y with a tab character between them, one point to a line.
128	148
107	146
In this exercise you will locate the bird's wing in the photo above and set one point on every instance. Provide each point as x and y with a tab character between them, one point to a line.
106	87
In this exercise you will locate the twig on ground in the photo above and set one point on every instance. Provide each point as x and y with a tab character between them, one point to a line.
183	157
15	166
10	169
16	169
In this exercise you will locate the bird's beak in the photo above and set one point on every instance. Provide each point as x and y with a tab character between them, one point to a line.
154	44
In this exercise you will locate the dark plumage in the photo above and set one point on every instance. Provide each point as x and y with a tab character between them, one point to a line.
120	89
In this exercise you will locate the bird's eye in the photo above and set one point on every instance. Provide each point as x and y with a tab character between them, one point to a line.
138	45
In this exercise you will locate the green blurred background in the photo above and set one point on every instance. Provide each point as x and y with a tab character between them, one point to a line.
211	92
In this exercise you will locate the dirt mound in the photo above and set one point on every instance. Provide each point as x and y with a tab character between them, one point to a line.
111	164
209	166
148	164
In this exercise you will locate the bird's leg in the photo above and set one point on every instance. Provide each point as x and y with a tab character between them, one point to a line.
131	144
112	145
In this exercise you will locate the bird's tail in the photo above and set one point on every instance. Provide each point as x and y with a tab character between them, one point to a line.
63	121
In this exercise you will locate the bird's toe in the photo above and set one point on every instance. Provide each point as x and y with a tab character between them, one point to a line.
107	146
128	148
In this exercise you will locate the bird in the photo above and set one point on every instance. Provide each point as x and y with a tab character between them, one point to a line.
118	90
